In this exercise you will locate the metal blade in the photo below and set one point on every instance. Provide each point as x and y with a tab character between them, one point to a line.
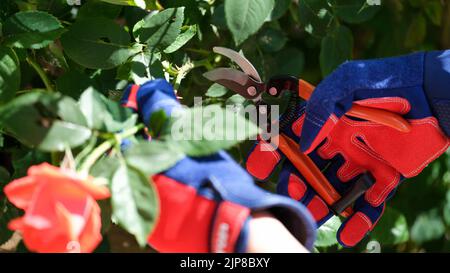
240	60
230	74
236	81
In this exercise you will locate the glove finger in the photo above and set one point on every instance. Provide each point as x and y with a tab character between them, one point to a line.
360	223
397	105
262	160
292	184
383	187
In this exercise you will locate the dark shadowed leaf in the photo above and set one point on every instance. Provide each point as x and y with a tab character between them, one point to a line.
98	43
31	29
9	74
160	29
392	228
337	48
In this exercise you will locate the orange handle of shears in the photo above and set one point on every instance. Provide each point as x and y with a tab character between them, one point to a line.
371	114
310	171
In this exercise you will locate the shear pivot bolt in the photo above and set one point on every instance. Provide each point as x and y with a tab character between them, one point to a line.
273	91
251	91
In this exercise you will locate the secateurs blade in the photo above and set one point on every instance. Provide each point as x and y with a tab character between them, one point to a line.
249	84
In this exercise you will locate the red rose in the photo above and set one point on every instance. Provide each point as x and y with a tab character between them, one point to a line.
61	214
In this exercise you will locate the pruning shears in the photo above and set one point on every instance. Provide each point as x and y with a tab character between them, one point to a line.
249	84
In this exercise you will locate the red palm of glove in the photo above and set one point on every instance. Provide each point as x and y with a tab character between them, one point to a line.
389	155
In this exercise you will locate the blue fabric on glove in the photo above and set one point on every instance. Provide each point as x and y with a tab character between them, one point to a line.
437	86
218	177
406	77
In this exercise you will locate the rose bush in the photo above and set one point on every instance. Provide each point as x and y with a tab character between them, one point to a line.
63	67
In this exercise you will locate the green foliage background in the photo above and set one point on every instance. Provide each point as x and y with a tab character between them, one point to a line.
61	47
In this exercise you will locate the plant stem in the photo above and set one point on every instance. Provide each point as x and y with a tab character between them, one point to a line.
105	146
41	74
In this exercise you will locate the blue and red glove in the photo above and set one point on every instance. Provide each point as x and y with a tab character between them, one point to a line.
206	202
345	148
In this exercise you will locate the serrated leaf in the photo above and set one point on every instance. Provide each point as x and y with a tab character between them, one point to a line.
9	74
98	9
141	68
160	29
337	47
98	43
134	202
272	40
245	17
315	16
280	8
46	121
152	157
103	114
201	131
143	4
354	11
216	91
326	234
73	83
182	39
31	29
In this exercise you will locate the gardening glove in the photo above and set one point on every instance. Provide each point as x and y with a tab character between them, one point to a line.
206	202
347	148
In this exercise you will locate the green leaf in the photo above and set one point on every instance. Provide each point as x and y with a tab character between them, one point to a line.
141	68
46	121
216	91
152	157
182	39
134	202
447	209
4	177
337	48
157	122
160	30
289	61
416	32
143	4
392	228
280	8
201	131
98	43
103	114
23	159
354	11
428	226
7	213
326	234
74	83
9	74
245	17
98	9
31	29
272	40
315	16
433	9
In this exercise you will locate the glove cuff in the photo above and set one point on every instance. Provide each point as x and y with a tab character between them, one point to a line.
437	86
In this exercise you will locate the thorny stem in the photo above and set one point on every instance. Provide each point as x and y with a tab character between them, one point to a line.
41	74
